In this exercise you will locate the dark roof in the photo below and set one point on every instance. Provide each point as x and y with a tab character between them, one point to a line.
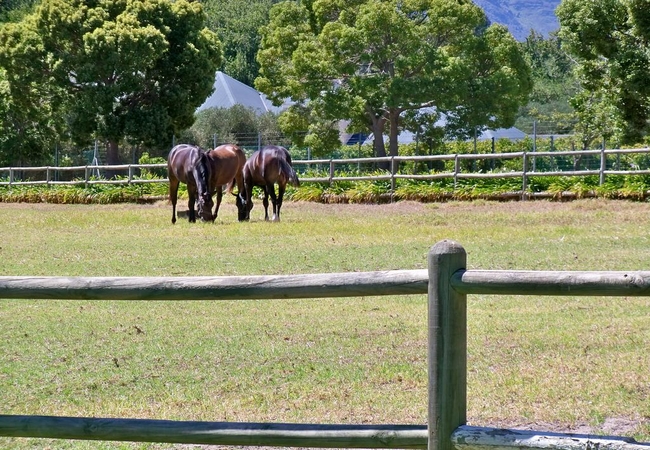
229	92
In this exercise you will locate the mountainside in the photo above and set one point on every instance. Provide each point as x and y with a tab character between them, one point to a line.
520	16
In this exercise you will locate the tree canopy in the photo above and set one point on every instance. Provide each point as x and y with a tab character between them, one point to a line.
237	24
370	61
610	40
554	83
116	70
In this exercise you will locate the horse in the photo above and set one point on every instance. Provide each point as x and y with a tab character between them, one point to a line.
266	167
189	164
206	173
226	165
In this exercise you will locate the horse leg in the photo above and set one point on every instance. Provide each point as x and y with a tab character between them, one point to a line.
265	202
173	196
191	191
271	190
281	188
219	196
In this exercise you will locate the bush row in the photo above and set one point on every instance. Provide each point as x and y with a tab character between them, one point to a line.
633	187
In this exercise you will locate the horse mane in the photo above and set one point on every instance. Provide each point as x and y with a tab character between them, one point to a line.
201	168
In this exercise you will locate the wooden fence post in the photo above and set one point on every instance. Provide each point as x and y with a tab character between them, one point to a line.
393	171
603	164
524	176
447	352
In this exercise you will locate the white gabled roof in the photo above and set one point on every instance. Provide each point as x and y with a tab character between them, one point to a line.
229	92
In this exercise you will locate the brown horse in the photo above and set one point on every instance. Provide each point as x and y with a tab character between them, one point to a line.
265	167
205	174
189	164
227	162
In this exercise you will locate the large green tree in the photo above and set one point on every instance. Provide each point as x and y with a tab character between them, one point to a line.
370	61
610	40
117	70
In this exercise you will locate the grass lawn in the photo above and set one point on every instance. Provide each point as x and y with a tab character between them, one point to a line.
550	363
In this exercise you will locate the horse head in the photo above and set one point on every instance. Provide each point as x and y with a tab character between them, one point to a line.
204	206
204	201
243	209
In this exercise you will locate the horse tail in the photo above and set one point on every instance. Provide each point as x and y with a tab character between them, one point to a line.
288	171
231	185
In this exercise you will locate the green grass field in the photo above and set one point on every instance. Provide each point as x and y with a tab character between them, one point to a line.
550	363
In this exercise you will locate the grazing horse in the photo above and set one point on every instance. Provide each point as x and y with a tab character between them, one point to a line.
265	167
206	173
189	164
226	164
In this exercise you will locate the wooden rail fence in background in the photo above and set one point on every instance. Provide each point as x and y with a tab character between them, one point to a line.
447	283
528	169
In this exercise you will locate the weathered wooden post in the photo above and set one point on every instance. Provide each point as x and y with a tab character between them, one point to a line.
447	354
524	176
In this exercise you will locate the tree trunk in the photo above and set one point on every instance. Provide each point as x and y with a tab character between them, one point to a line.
392	137
112	157
378	124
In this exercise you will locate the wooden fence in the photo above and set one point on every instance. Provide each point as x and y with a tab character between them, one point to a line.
447	283
607	162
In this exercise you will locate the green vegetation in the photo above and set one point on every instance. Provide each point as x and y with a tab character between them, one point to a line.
346	62
633	187
610	41
552	363
237	24
118	72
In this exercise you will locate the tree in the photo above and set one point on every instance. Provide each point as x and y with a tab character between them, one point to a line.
120	70
237	24
237	124
554	83
610	40
14	10
370	61
22	138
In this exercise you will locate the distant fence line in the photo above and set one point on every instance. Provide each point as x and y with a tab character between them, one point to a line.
446	281
604	163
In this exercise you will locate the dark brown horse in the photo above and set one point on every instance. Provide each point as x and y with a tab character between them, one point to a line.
265	168
226	164
189	164
205	174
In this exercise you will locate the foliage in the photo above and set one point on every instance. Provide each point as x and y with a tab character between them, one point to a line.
238	125
115	70
237	22
554	83
610	41
86	194
347	62
154	172
27	130
15	10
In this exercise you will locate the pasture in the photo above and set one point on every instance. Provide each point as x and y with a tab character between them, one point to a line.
565	363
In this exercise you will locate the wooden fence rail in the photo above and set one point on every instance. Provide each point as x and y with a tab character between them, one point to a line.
447	283
92	174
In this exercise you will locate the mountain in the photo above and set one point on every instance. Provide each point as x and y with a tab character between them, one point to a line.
520	16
